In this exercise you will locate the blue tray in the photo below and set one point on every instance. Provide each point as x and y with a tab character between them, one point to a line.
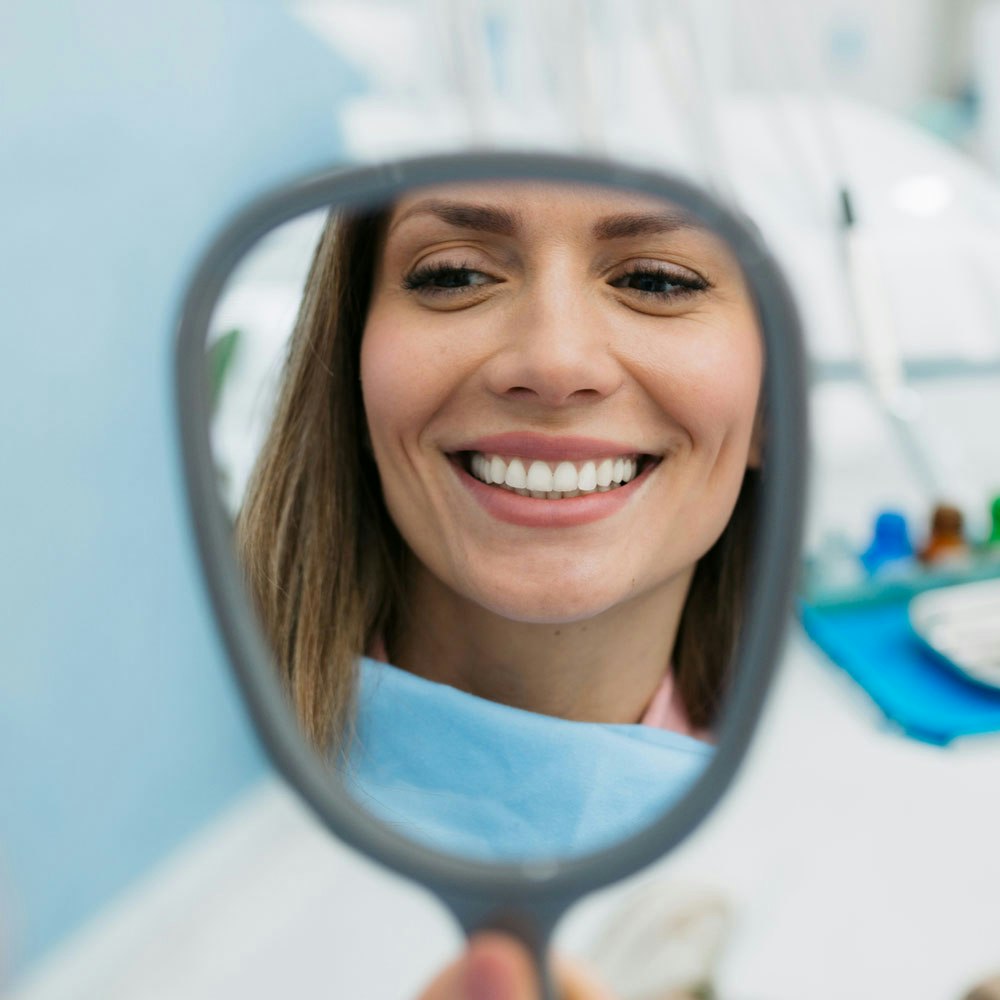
876	645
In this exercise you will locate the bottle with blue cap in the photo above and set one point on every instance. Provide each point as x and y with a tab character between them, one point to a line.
891	551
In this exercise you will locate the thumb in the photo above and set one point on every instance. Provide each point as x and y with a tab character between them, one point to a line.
494	967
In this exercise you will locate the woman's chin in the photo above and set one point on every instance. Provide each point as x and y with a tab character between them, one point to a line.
556	604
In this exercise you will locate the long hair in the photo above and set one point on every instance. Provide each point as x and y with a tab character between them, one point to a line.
322	558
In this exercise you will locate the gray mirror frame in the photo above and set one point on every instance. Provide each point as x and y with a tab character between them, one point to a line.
524	898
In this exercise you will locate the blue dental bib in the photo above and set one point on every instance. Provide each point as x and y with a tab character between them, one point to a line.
490	782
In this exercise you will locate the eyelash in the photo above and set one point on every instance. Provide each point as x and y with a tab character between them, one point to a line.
682	285
422	280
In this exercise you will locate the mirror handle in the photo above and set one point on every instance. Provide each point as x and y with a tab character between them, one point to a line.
530	923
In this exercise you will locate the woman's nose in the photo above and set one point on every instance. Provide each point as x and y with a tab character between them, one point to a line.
556	350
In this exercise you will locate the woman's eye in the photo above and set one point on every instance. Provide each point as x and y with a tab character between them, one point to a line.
438	278
664	284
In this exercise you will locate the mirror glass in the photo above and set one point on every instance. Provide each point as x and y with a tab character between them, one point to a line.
491	454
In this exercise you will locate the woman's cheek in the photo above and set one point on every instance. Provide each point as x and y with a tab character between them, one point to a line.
705	410
393	372
721	387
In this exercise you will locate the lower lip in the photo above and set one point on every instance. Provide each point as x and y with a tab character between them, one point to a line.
534	512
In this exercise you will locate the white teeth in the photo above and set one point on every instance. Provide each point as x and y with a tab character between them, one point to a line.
562	480
516	476
498	469
540	477
565	477
588	478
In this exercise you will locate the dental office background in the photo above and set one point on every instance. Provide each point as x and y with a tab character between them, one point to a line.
146	849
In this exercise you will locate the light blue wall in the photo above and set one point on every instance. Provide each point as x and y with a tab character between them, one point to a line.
128	133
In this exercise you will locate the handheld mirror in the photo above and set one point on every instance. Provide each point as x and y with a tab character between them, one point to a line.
496	467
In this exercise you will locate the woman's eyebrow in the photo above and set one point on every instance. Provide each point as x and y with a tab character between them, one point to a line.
464	215
614	227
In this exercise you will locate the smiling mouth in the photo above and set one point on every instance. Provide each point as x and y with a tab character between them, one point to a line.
554	480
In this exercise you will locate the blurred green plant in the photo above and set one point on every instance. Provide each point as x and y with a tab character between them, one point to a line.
220	360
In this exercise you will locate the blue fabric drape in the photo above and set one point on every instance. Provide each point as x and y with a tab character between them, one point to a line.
490	782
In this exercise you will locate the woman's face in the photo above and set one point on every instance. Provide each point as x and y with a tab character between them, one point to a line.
596	352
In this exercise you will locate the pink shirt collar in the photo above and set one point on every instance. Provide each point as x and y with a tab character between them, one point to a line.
666	711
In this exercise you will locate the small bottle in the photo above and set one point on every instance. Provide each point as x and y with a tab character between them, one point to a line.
890	551
993	539
947	542
989	550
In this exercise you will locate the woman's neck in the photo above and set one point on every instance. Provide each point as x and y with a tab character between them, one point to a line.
601	669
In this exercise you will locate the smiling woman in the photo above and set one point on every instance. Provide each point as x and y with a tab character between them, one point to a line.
500	521
514	452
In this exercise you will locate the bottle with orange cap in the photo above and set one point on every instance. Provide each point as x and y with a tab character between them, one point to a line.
947	542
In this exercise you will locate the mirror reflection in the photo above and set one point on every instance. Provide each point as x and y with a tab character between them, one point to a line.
492	454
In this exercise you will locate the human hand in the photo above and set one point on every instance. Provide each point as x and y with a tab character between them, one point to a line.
497	967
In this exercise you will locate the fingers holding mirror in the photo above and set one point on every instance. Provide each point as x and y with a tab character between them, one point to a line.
493	451
495	965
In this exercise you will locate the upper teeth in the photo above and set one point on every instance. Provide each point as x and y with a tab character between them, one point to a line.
553	480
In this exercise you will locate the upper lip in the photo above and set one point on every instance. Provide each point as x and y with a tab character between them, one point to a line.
547	448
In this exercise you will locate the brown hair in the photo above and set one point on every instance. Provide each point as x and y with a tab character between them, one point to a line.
323	559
